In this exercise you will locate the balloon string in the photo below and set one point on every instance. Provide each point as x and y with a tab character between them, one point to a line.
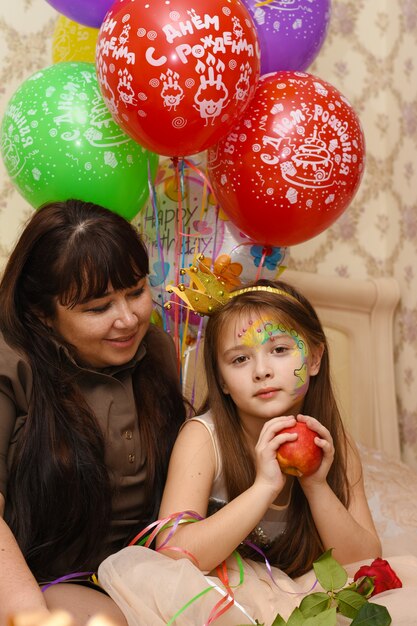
200	173
202	210
197	351
261	264
206	185
183	329
216	222
152	194
178	246
204	202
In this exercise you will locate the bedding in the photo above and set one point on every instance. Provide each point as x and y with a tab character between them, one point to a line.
391	488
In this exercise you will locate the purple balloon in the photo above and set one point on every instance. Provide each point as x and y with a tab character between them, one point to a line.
290	32
87	12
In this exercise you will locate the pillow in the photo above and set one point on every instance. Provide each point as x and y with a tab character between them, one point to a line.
391	489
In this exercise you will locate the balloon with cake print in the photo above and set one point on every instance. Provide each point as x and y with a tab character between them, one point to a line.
290	32
292	163
72	41
59	141
87	12
176	75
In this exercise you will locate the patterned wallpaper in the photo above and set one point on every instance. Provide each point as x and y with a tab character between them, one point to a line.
369	55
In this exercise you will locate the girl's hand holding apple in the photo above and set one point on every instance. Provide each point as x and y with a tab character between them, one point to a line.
310	452
275	433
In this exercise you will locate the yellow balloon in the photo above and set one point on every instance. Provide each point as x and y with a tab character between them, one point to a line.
73	41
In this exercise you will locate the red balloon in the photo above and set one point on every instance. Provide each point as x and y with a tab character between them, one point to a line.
292	163
176	74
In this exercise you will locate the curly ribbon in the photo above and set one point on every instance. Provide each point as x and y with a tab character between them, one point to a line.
145	538
64	579
269	570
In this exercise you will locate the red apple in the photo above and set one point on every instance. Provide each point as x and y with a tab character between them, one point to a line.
301	457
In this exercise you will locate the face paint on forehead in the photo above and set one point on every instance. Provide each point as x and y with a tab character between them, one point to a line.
257	333
260	331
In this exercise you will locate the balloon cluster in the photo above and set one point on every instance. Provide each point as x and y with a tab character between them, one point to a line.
139	87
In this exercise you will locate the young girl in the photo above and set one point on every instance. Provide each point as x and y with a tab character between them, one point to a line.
267	367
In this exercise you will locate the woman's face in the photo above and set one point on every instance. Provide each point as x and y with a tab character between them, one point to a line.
108	330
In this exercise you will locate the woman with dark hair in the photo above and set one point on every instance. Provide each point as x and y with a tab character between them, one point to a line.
90	405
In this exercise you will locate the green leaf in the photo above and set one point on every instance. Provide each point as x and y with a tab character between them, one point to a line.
314	603
330	574
349	602
372	615
296	618
327	618
279	621
364	585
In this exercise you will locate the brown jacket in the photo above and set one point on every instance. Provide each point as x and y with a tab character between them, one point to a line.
109	393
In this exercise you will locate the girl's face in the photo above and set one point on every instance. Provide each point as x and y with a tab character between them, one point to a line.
264	366
106	331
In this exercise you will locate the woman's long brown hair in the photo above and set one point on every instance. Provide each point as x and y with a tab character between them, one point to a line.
59	490
295	550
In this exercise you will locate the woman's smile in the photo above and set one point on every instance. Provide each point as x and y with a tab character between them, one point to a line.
107	330
123	342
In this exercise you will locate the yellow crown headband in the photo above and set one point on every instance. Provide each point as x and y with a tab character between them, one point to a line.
210	292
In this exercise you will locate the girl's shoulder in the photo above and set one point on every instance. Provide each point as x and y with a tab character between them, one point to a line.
204	418
207	422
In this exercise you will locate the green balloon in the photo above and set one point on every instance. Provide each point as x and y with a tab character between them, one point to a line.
59	141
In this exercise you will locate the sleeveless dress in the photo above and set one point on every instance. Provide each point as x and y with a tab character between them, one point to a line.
154	590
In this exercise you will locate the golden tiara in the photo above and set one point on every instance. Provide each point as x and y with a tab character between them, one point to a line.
207	292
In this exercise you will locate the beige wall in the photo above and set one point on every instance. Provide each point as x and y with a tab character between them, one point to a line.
369	55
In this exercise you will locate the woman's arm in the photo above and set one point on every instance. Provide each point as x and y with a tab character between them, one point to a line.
19	590
188	487
350	532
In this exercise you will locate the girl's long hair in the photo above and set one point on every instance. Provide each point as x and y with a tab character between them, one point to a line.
59	491
295	550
